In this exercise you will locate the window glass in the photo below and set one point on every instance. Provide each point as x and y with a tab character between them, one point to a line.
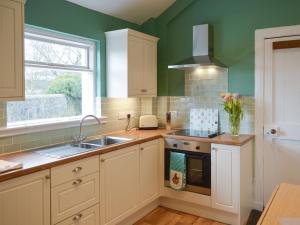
59	81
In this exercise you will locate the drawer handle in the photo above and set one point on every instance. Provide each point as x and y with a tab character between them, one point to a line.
77	169
77	217
76	182
144	90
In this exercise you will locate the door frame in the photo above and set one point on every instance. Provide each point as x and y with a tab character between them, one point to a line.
260	36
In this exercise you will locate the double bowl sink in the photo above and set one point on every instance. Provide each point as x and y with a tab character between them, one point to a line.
67	150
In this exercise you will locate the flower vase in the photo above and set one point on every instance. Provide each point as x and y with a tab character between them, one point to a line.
234	122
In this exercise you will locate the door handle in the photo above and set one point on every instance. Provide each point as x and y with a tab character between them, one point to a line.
77	182
271	131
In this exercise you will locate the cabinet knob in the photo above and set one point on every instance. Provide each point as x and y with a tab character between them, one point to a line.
77	217
47	177
142	149
76	182
77	169
102	160
144	90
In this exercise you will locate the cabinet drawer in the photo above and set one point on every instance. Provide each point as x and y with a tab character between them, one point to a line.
89	216
74	196
74	170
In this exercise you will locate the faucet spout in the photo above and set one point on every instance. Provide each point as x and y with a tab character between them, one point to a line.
80	138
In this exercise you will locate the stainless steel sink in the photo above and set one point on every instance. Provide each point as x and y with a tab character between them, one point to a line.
64	151
67	150
86	145
107	140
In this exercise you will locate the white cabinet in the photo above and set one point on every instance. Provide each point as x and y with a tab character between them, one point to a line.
11	54
74	196
149	171
74	188
26	200
232	179
225	166
131	64
119	184
129	180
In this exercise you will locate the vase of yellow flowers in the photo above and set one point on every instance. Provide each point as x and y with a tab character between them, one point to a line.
233	105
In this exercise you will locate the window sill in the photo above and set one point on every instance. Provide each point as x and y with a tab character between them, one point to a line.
33	128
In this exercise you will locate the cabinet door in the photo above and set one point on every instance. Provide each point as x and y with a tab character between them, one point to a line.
150	69
225	168
74	196
119	184
25	200
135	66
149	171
89	216
11	54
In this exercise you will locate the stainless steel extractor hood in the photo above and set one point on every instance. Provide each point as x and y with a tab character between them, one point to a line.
202	50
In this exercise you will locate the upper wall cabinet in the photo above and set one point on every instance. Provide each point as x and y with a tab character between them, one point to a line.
131	64
11	54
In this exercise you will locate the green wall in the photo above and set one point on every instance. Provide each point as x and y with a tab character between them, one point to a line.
234	23
66	17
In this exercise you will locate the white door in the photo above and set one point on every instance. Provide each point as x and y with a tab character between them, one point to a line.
26	200
281	140
149	171
119	184
225	170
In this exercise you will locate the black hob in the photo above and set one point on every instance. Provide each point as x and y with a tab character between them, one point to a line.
196	133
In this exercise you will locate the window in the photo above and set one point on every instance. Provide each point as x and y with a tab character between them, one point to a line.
59	79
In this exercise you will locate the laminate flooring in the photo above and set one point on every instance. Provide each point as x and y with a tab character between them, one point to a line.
165	216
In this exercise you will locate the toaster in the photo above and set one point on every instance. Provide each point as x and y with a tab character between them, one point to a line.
148	122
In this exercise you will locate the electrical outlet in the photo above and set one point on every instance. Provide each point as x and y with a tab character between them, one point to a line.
132	114
122	115
174	114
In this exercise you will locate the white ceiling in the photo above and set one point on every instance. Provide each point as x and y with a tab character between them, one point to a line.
136	11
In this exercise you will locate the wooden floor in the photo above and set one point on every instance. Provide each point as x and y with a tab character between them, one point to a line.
164	216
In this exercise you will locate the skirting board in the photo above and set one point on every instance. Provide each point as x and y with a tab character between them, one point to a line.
201	211
141	213
186	207
258	205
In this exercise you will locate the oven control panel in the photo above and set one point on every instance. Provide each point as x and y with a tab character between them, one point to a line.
194	146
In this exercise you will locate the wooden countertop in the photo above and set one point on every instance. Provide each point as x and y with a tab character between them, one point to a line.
33	162
225	139
283	207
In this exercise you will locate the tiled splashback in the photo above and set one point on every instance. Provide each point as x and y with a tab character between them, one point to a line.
202	89
109	107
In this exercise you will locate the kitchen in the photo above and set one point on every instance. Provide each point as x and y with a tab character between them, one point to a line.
123	63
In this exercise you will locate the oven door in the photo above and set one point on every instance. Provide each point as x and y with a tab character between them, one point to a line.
198	171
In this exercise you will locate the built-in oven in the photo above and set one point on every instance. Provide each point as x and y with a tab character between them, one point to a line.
198	164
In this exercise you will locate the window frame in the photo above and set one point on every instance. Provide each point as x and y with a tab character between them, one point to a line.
66	39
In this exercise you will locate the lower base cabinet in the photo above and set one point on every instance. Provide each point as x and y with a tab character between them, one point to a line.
74	196
149	171
225	172
119	184
129	180
89	216
26	200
